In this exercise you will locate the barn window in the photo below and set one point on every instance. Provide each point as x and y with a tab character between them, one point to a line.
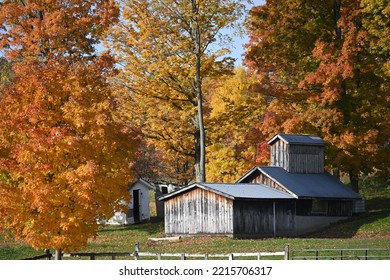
319	206
164	190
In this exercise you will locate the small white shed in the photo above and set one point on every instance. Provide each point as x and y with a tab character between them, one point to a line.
138	207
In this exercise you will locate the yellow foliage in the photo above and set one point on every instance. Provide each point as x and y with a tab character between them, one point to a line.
235	110
160	82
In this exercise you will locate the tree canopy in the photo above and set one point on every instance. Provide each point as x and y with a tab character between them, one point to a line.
323	66
235	110
166	49
65	157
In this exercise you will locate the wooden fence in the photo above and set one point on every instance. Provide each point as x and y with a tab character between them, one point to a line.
341	254
162	256
137	255
287	254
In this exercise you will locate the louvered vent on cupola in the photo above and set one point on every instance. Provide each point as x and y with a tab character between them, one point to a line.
298	153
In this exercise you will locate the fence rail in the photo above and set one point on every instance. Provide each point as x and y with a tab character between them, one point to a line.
287	254
231	256
341	254
47	256
181	256
137	255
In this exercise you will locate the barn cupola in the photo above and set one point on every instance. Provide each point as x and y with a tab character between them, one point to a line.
297	153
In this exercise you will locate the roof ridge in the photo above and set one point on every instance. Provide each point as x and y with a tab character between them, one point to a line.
298	139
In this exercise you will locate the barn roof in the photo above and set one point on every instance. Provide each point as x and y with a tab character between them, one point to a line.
298	139
235	191
321	185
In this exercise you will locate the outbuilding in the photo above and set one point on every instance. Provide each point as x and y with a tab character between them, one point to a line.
138	209
247	210
293	196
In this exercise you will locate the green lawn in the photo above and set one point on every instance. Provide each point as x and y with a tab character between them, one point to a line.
371	230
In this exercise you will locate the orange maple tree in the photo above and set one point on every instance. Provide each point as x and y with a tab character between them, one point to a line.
64	157
323	69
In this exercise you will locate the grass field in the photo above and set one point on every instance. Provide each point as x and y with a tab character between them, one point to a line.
371	230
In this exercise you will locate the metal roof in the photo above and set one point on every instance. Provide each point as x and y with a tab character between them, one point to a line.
298	139
322	185
236	191
142	181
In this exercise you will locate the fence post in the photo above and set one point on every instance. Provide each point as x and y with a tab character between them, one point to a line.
58	255
287	252
136	256
231	257
48	254
183	256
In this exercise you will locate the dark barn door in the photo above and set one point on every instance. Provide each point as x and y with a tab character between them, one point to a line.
264	218
136	206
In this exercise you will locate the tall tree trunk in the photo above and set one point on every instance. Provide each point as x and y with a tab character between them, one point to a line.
354	180
200	136
201	160
336	16
345	104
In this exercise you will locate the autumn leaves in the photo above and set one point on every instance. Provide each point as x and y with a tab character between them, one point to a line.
65	159
73	123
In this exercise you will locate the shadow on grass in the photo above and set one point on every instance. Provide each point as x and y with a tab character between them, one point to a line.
378	204
153	226
367	224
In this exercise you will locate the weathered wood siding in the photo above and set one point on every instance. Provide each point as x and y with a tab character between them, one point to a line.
339	208
256	218
262	179
279	154
296	158
199	212
306	159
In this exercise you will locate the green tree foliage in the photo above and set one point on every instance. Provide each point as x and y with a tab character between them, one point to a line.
6	73
376	20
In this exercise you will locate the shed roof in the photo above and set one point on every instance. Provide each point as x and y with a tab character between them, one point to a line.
235	191
322	185
298	139
143	182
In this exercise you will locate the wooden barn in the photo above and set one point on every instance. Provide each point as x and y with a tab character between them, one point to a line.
293	196
248	210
